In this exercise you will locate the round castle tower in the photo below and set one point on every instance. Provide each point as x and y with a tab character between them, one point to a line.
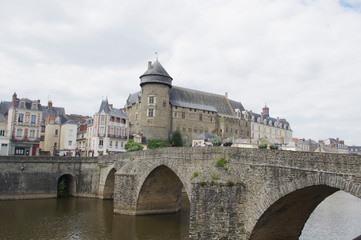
154	121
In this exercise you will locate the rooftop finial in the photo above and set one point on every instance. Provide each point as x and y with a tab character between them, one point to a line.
156	53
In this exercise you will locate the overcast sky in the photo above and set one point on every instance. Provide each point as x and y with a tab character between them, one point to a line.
301	57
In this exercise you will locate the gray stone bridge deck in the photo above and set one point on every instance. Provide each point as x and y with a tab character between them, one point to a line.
256	194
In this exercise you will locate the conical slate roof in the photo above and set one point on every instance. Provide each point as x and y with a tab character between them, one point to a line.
104	106
156	74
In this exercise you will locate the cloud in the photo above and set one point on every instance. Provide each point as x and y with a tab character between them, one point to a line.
301	57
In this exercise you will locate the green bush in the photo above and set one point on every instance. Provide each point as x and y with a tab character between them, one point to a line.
133	146
62	188
230	183
177	139
222	163
156	143
264	146
273	147
195	174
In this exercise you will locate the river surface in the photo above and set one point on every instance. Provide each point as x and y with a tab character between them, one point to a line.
338	217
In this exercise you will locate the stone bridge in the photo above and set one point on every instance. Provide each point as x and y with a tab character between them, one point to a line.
249	194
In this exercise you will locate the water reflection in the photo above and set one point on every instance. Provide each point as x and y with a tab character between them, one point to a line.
339	217
77	218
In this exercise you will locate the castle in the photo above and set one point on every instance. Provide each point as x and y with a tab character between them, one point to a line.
160	109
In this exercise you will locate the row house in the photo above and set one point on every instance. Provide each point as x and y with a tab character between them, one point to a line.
4	140
23	128
265	128
108	132
58	134
332	145
82	141
28	128
354	150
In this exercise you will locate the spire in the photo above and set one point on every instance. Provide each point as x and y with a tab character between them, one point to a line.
104	106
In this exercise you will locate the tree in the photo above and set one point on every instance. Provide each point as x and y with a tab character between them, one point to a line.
177	139
156	143
133	146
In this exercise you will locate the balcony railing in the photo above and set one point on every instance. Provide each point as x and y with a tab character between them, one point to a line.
117	136
23	139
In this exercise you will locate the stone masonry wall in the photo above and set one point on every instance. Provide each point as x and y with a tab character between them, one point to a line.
37	177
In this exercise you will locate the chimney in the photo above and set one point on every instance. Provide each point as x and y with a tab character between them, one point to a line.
50	105
149	65
250	112
15	97
110	106
309	145
265	111
226	94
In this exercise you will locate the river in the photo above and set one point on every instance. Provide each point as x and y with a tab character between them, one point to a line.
338	217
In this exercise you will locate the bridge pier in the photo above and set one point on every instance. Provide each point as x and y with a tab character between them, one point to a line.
215	211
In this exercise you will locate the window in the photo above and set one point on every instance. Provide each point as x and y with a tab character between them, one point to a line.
117	131
183	115
116	144
121	144
21	117
42	138
150	112
19	132
102	118
33	119
42	128
151	99
2	132
200	117
111	144
70	143
55	144
164	103
101	131
34	106
22	104
70	132
100	142
56	132
123	132
32	133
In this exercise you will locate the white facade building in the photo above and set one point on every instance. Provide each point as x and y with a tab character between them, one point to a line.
108	132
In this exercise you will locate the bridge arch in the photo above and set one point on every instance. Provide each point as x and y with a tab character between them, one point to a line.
66	185
283	214
108	190
159	191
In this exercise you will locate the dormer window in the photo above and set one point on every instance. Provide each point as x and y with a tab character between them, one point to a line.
22	105
34	106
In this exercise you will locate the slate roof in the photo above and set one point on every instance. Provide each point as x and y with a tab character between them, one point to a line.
104	106
57	111
268	118
189	98
203	101
3	118
206	136
156	69
133	98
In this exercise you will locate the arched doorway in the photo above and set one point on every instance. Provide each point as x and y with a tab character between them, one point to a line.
160	193
108	192
286	218
66	186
